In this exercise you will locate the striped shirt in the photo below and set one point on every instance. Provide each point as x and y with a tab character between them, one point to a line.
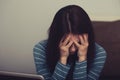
61	70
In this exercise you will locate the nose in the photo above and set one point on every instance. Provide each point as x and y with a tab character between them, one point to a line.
72	48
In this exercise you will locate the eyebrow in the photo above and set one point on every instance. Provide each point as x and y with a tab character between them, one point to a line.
68	20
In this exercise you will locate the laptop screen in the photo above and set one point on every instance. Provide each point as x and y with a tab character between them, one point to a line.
19	76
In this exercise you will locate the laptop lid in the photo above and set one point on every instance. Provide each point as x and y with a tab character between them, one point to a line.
4	75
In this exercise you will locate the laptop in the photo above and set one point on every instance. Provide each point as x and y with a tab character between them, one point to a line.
4	75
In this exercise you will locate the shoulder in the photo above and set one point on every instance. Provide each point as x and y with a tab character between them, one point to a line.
40	47
42	44
99	50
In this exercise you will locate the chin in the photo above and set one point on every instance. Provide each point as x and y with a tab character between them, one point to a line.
71	53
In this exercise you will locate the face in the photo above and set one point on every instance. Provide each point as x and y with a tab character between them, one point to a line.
73	48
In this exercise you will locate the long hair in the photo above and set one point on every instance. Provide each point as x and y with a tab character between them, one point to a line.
69	19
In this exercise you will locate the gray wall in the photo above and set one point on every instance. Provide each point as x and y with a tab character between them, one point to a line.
23	23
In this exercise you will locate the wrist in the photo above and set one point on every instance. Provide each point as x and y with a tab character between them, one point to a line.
63	60
82	58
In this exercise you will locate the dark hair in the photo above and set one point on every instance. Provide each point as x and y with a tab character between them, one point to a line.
69	19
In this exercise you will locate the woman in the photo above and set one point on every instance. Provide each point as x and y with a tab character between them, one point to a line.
70	52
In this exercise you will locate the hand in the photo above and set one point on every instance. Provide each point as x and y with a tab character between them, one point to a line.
64	48
82	46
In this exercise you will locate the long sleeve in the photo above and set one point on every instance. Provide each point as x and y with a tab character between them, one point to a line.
60	71
80	72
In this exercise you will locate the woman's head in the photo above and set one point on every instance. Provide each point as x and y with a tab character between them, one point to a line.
71	19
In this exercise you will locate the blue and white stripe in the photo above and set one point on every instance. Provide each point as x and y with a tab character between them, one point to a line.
60	72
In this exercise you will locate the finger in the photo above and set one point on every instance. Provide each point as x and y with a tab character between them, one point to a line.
86	37
76	43
81	39
69	44
66	40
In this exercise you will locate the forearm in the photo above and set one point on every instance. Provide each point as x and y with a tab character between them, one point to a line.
80	72
60	71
